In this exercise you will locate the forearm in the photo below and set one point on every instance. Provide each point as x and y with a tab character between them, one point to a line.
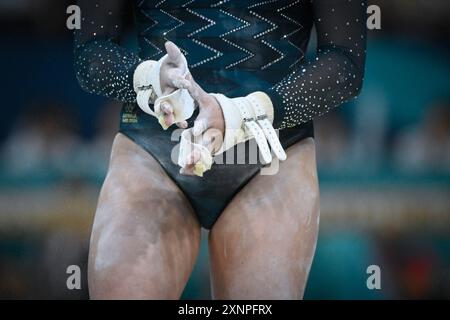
336	73
315	88
105	68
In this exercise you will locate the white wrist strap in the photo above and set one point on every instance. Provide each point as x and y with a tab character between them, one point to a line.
266	125
246	118
252	128
182	103
147	85
142	85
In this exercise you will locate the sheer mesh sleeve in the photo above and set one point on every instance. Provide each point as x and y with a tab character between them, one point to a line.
102	66
336	74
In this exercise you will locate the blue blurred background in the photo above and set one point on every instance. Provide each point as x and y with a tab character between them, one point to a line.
384	161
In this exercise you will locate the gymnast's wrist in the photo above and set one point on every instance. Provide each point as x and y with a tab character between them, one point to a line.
142	79
250	117
278	109
264	101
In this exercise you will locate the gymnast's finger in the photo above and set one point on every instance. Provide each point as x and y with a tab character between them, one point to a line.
188	170
200	126
193	157
180	82
197	93
182	124
167	111
173	52
212	139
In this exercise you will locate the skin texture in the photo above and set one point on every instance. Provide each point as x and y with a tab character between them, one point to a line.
209	125
145	236
263	244
171	78
210	120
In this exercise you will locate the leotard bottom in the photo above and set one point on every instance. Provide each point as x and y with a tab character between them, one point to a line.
210	194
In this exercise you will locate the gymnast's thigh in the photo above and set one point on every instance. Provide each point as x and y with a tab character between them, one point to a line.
263	244
145	237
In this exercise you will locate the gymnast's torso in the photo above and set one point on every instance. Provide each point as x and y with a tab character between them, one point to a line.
234	48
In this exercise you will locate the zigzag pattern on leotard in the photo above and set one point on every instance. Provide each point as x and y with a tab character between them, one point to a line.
253	34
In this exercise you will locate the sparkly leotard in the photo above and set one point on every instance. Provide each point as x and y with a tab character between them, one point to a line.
233	47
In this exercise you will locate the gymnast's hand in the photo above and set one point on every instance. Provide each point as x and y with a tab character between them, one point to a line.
209	126
172	78
158	82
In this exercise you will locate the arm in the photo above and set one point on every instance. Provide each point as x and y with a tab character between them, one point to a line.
102	66
332	78
336	74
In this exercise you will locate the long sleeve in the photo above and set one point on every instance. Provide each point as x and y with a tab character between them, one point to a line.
335	75
102	66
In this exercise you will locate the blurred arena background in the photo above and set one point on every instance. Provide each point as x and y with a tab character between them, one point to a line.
384	161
